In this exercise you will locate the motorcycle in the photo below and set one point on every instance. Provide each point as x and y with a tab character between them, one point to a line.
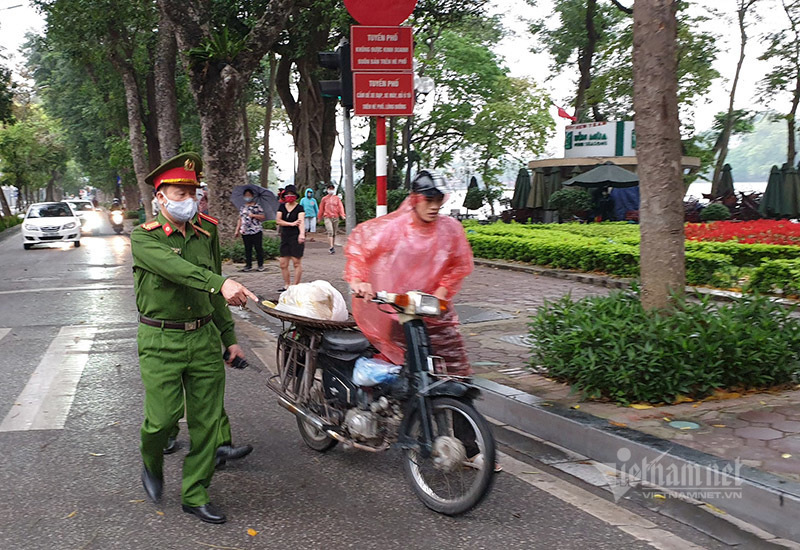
116	218
447	446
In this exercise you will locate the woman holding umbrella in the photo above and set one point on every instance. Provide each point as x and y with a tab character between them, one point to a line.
249	227
291	220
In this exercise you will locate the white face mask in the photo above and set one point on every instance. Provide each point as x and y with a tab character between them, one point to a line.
330	191
181	211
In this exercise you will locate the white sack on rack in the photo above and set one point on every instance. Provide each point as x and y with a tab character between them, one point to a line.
318	300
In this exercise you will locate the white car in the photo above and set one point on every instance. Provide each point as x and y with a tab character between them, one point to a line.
85	210
50	222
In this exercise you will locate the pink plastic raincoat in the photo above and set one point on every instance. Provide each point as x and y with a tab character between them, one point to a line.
398	253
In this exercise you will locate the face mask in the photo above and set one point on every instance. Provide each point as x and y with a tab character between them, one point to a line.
248	199
330	191
181	211
291	198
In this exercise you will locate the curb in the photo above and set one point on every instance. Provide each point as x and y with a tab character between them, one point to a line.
766	501
614	282
8	233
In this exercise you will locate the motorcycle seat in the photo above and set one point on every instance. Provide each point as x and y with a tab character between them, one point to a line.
344	343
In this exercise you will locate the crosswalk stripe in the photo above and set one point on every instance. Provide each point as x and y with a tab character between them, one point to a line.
46	400
65	289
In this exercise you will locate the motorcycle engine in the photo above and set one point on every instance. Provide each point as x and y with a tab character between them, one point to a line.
362	425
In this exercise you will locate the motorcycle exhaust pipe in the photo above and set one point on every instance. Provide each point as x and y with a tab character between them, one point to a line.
316	421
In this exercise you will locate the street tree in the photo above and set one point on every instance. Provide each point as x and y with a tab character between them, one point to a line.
783	50
733	115
655	99
222	46
595	36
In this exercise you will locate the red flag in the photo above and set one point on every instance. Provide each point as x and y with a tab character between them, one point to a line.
564	114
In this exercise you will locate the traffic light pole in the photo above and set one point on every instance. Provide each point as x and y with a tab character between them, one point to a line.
380	164
349	188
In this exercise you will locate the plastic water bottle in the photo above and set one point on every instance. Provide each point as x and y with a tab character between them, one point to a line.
369	371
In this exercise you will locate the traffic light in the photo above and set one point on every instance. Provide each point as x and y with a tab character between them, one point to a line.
338	60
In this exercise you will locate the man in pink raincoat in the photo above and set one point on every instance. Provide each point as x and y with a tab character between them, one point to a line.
413	248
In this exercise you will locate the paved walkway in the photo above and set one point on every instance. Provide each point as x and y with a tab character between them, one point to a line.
761	429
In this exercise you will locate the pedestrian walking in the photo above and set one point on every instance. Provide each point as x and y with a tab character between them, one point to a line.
310	209
184	322
291	220
331	210
249	227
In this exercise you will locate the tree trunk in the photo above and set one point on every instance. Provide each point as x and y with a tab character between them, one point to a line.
4	203
224	159
50	195
151	124
725	136
135	135
265	158
791	123
166	97
313	120
585	60
655	101
245	131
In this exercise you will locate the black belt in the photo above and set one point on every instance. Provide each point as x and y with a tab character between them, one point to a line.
188	326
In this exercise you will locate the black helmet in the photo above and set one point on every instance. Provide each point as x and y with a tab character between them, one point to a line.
115	201
428	183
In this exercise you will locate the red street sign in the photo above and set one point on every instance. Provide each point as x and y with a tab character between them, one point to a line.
380	12
383	94
381	48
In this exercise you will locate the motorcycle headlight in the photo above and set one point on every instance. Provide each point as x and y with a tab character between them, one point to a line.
116	216
31	227
429	305
69	225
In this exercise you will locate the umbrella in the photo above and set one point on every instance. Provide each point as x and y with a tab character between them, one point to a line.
536	196
605	175
791	193
522	189
725	182
772	198
552	183
262	196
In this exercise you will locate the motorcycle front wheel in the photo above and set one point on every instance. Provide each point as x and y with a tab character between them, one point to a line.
314	438
460	470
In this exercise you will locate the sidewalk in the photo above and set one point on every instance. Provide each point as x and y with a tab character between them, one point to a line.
761	429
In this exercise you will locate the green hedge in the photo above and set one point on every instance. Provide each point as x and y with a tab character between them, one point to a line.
610	347
776	276
746	254
269	224
7	222
621	260
235	250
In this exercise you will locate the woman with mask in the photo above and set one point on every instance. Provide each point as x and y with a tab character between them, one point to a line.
249	227
310	209
291	220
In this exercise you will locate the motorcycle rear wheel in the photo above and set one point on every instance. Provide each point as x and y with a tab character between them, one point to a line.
314	438
461	483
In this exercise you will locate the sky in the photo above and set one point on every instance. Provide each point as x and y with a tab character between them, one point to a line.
515	48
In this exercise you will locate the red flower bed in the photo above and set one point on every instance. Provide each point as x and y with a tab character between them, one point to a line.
746	232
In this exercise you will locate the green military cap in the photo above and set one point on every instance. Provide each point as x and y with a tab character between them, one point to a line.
183	169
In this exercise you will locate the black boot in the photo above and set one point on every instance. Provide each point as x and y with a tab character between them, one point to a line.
206	513
153	485
229	452
172	446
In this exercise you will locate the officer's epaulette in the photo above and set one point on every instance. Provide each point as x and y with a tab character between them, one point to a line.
149	226
208	218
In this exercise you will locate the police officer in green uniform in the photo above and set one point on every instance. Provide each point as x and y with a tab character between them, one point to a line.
184	321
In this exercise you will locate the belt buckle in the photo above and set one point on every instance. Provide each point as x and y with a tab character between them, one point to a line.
191	325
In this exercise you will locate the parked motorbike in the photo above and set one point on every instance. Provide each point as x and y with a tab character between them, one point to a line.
117	219
447	446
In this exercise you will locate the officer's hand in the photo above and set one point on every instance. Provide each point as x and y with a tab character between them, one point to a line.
236	294
235	351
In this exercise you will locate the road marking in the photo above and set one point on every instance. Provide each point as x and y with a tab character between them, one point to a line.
47	398
604	510
3	332
65	288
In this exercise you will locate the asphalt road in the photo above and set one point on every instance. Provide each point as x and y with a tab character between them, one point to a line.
69	474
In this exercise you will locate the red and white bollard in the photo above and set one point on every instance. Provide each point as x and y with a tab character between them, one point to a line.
380	164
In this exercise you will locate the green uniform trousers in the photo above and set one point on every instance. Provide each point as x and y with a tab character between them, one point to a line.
224	438
174	363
